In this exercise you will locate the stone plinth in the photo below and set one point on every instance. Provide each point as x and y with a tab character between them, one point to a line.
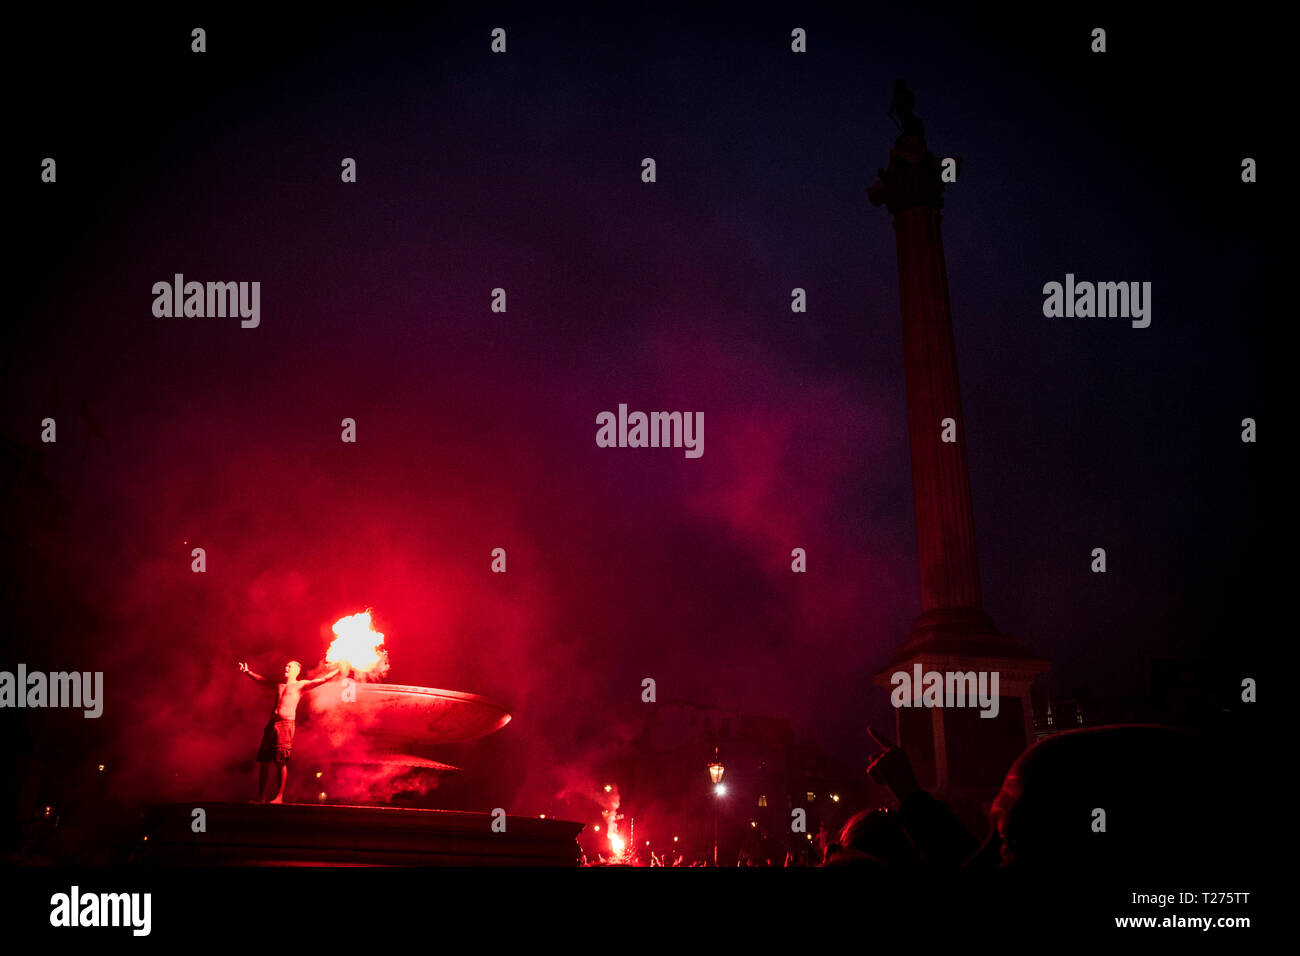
241	834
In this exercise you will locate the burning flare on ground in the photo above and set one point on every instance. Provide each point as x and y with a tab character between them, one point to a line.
358	646
618	849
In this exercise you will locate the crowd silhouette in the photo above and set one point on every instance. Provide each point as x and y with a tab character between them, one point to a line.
1114	798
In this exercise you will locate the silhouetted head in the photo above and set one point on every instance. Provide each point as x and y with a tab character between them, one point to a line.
1128	795
292	670
874	837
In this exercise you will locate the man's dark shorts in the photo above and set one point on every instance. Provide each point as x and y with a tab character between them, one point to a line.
277	742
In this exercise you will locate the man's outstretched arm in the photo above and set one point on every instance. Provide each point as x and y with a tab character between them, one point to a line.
316	682
243	669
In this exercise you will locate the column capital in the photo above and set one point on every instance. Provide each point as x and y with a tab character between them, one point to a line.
913	178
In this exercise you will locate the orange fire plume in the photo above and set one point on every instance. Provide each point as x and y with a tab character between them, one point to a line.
358	646
618	849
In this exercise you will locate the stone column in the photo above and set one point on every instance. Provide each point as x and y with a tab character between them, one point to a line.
945	520
955	752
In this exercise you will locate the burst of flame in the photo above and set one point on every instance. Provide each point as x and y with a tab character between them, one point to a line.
617	843
358	645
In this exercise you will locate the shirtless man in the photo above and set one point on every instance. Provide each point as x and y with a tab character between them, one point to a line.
277	738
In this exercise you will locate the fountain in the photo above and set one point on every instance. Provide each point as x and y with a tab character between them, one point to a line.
375	742
364	747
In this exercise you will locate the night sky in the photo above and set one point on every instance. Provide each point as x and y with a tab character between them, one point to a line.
476	429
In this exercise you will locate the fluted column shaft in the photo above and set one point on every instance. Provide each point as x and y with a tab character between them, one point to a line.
945	520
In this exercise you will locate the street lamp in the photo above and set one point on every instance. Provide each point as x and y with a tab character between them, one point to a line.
715	768
715	774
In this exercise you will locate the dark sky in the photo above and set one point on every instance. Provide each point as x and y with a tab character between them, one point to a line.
476	429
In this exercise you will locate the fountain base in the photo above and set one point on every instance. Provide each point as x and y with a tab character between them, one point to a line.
294	834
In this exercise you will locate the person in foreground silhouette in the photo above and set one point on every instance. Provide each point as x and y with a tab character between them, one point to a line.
277	737
1118	798
874	838
1112	798
939	837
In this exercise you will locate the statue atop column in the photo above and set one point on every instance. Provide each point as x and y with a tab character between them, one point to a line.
912	178
900	111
